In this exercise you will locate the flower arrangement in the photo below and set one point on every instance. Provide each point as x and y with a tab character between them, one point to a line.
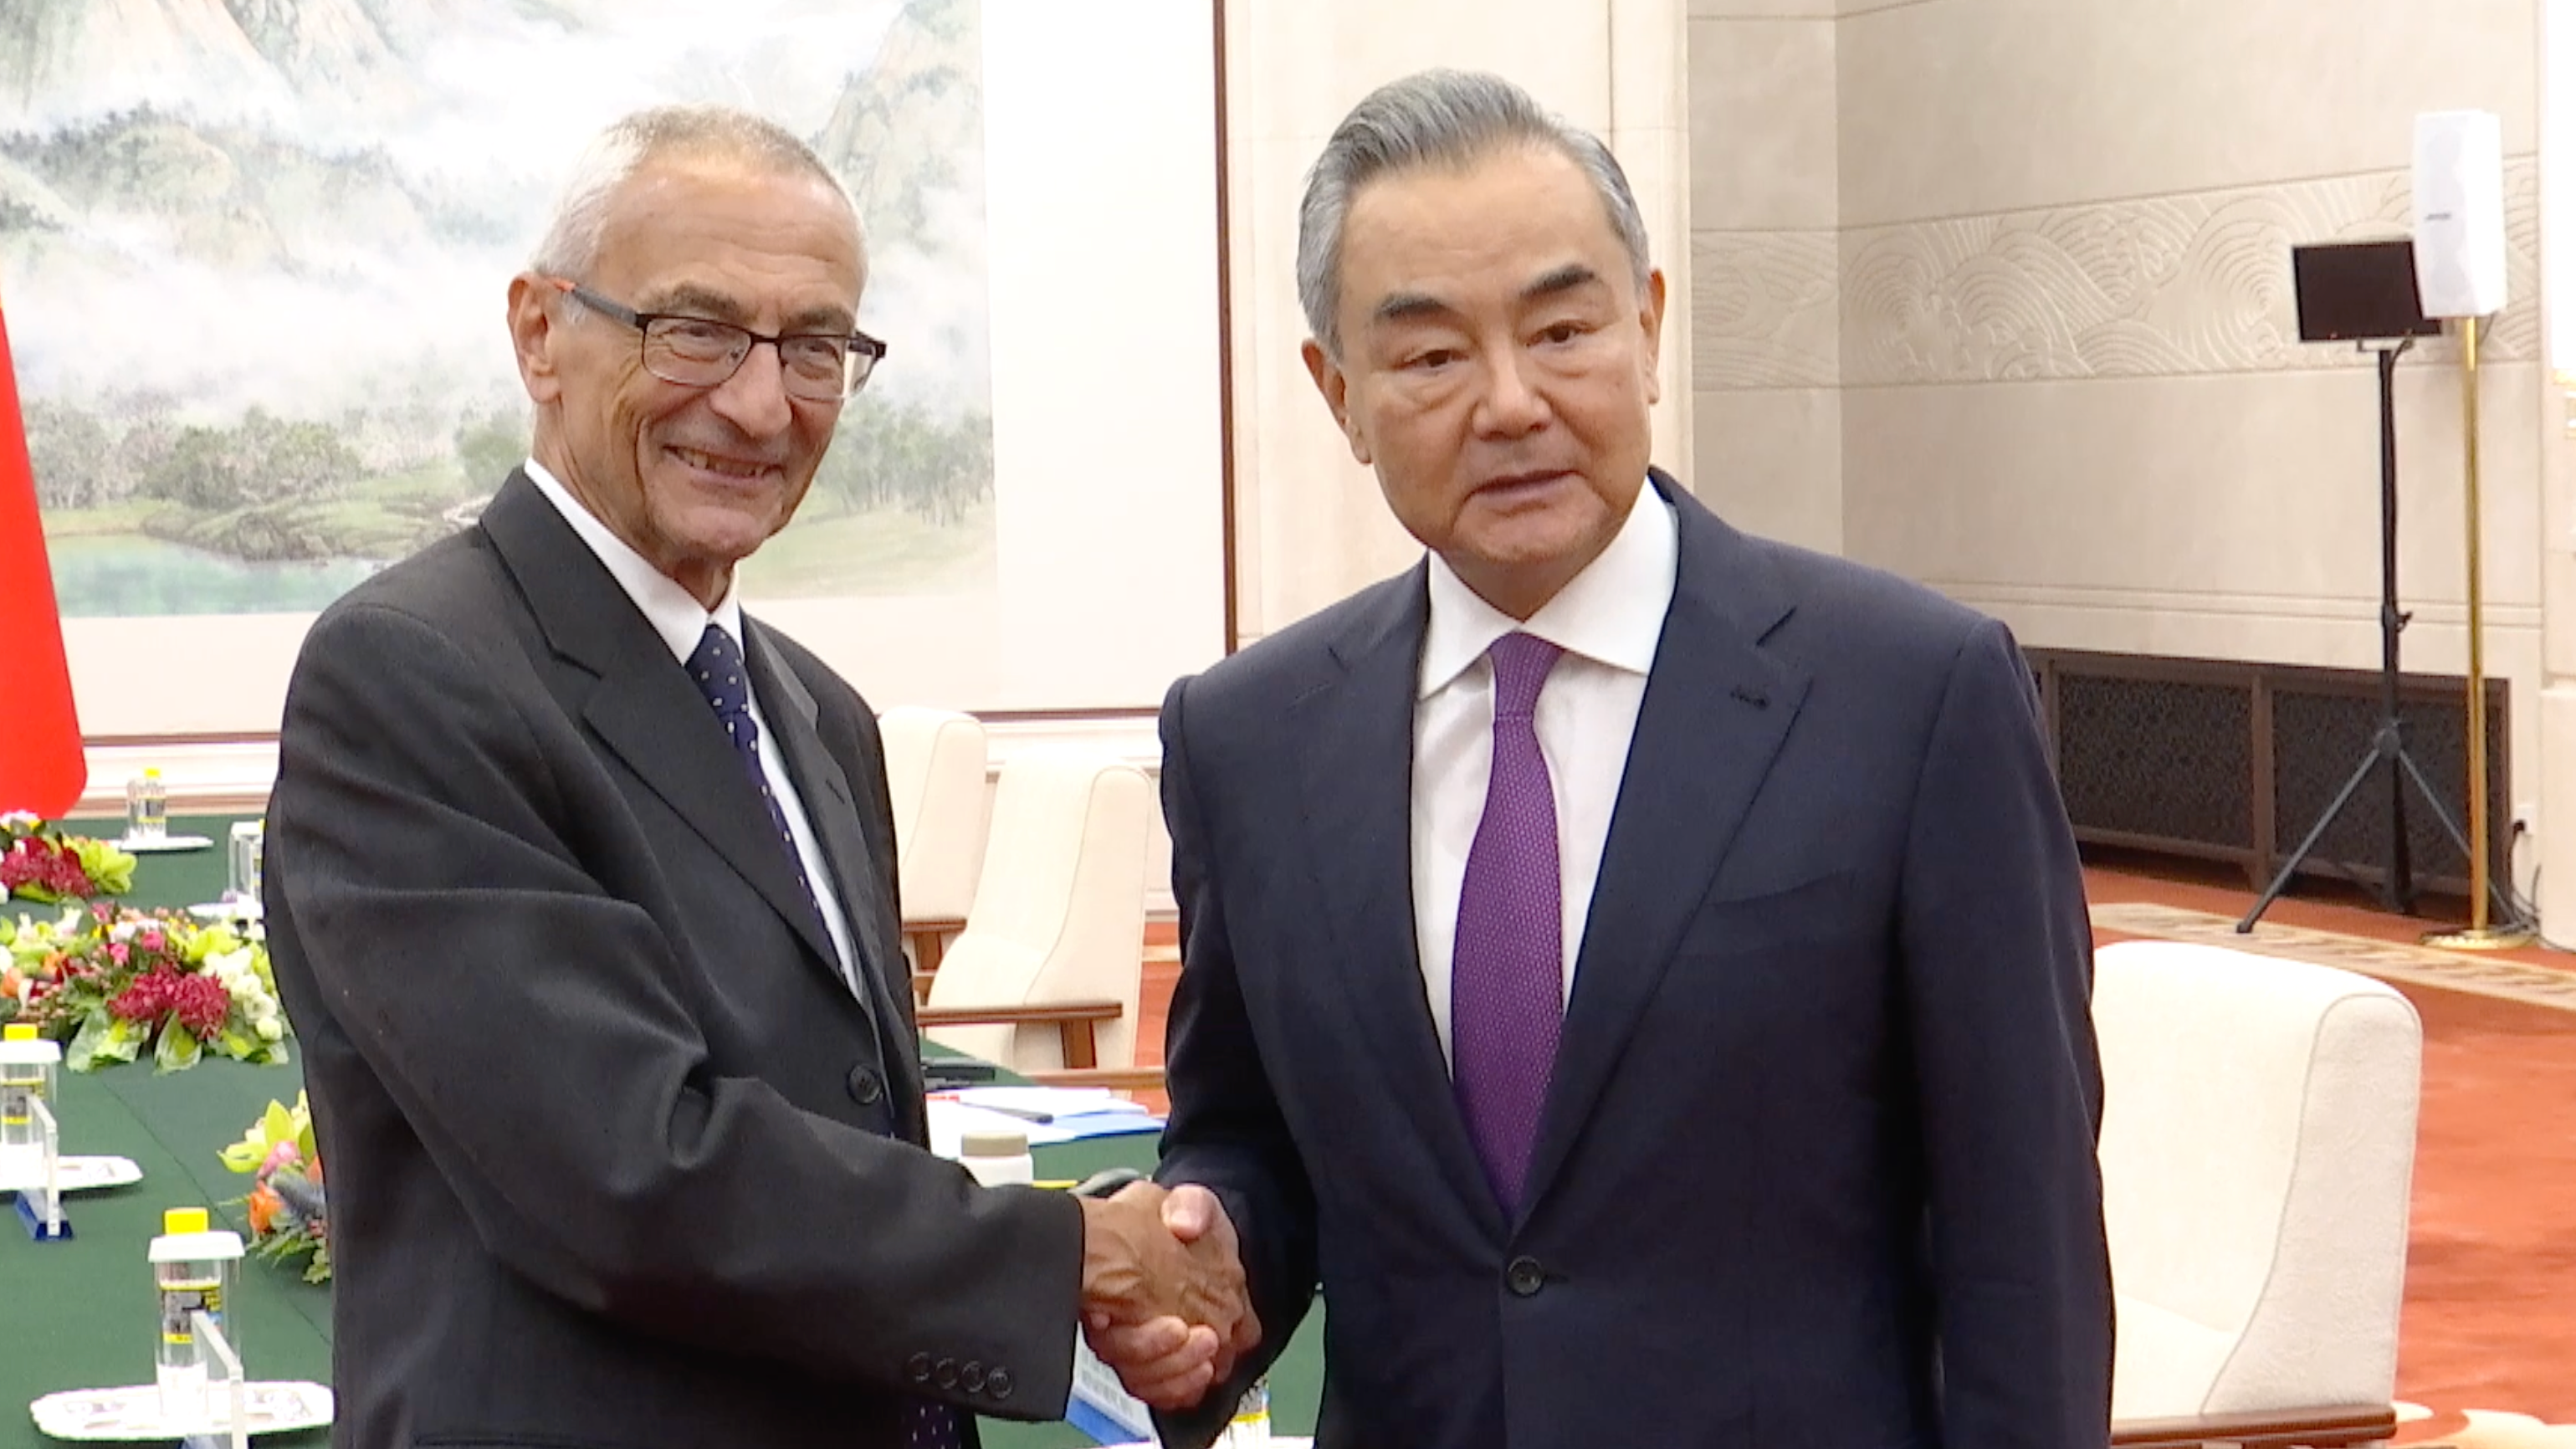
40	863
113	985
285	1205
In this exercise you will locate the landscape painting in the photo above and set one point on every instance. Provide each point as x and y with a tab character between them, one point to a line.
253	256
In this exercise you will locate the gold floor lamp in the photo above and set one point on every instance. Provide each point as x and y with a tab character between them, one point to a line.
2481	934
2460	274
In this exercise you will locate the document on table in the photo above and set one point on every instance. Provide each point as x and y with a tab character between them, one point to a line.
1045	1114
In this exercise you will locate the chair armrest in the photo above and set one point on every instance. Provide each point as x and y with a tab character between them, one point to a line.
928	936
2326	1428
1075	1019
1116	1079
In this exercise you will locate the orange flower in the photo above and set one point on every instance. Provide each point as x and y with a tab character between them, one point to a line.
265	1205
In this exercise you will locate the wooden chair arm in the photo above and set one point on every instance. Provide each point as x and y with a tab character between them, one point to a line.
928	937
2327	1428
1116	1079
1076	1019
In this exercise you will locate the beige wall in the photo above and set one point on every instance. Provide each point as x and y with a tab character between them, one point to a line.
2035	343
1766	209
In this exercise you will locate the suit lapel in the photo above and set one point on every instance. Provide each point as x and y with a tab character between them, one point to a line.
643	706
1357	769
1715	711
831	806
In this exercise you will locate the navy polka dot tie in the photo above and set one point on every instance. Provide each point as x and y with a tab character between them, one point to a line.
1507	979
718	668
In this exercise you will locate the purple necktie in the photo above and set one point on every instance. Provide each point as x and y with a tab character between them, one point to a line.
1507	980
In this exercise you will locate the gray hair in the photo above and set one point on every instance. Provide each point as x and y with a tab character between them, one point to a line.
572	240
1437	117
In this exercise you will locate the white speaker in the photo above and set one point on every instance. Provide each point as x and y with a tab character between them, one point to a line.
2459	213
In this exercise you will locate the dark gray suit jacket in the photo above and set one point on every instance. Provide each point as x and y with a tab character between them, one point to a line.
1816	1167
615	1155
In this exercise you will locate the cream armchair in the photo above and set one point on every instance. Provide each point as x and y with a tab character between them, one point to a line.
1047	972
2258	1147
936	781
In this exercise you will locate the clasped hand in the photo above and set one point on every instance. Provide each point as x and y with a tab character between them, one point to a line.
1163	1296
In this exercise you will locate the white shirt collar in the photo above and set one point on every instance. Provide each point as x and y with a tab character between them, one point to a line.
674	612
1611	613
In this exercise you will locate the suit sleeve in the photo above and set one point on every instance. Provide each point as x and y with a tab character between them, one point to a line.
532	1031
1226	1130
1997	954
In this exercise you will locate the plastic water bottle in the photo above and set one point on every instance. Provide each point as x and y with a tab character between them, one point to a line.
27	1064
193	1268
147	807
997	1159
1250	1426
242	861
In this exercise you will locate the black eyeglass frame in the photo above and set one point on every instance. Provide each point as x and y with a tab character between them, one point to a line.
860	364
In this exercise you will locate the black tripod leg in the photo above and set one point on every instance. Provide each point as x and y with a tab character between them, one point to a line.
2495	882
2281	882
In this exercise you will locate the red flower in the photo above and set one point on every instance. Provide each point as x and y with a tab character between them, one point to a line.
202	1004
147	999
44	865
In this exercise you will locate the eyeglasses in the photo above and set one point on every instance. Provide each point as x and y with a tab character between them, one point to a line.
702	352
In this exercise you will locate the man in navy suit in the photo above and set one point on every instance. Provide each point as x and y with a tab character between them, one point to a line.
1639	971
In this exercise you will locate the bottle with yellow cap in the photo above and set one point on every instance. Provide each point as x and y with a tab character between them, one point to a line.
147	807
27	1067
193	1267
1250	1426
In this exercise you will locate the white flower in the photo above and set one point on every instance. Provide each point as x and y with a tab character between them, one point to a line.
269	1029
121	931
21	820
232	968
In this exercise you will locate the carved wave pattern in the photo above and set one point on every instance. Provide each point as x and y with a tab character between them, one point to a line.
2161	287
1764	310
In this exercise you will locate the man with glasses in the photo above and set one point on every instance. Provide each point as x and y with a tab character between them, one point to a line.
580	889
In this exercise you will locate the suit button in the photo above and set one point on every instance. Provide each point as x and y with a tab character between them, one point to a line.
865	1085
919	1367
1524	1277
946	1373
971	1377
998	1383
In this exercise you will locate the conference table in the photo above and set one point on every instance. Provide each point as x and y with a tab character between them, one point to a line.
79	1314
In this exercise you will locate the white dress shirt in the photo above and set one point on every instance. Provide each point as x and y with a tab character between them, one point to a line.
1608	620
677	616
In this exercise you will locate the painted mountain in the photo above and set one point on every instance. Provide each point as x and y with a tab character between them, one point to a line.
255	251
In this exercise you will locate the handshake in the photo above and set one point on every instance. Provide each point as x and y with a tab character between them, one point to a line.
1164	1301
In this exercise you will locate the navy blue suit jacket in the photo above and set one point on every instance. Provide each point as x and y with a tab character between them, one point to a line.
1816	1166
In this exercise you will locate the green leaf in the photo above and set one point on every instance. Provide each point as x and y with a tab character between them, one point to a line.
178	1050
124	1039
83	1053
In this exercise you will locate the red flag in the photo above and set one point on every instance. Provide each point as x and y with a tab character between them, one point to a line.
41	764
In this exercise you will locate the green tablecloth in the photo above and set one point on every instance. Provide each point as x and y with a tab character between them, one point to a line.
78	1313
173	879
